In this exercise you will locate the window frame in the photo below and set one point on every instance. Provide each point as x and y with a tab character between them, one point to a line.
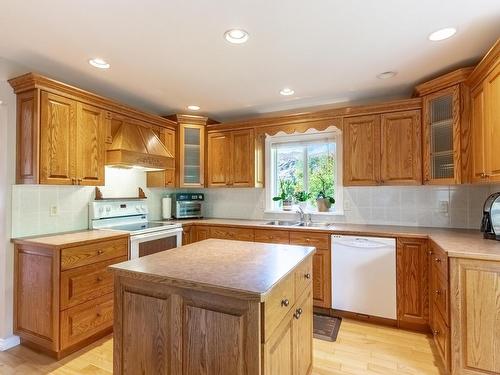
310	135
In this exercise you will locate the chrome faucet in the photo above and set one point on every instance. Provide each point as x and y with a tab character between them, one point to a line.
302	214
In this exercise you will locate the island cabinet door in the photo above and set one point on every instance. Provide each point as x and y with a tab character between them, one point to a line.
278	353
303	331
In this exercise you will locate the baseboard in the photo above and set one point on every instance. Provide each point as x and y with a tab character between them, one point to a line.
9	342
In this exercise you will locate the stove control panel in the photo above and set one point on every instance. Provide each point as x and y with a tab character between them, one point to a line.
110	208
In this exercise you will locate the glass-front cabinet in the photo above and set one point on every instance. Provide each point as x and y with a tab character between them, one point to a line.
445	128
191	151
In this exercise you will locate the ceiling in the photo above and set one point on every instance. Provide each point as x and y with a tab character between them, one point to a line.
165	55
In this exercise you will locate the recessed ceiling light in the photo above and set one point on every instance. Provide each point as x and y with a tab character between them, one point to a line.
193	107
99	63
287	91
386	75
442	34
236	36
1	102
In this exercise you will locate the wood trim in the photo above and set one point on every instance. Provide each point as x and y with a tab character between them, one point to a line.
30	81
485	66
321	118
443	81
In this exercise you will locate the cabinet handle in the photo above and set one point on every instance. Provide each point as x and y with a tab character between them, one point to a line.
307	275
298	313
285	302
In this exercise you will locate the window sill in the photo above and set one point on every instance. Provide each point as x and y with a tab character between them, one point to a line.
314	213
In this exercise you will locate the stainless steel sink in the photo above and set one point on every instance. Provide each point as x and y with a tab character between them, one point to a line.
285	223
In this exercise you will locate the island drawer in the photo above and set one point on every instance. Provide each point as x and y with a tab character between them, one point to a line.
317	240
86	320
272	236
230	233
84	283
303	276
279	301
72	257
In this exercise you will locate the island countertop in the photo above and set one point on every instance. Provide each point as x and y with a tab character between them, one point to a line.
244	269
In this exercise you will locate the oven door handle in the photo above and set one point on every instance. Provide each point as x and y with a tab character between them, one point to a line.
155	235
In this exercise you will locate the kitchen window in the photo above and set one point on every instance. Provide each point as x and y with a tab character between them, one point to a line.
301	168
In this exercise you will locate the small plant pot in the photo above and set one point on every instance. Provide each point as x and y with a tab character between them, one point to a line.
287	205
323	204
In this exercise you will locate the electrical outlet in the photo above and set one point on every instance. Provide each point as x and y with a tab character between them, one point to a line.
54	210
443	207
347	205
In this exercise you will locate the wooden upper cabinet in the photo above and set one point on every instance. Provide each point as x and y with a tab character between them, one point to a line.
401	148
219	159
442	159
191	155
242	158
232	159
485	118
57	140
361	150
90	145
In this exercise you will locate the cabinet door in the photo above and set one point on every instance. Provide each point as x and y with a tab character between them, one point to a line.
361	150
303	331
401	148
187	233
475	307
219	159
57	128
478	135
242	158
191	155
412	283
492	107
90	145
201	233
278	351
322	278
442	142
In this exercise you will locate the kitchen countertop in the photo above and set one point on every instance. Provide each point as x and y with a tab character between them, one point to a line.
245	269
71	238
458	243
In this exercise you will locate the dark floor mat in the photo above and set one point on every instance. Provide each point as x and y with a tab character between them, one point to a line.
326	327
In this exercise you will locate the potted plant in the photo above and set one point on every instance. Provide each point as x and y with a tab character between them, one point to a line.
323	199
301	197
285	194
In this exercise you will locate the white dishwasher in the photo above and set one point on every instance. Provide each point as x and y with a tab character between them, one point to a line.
364	275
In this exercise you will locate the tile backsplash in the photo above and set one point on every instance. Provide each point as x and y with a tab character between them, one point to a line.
442	206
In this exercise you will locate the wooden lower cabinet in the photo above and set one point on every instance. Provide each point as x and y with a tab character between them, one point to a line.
475	312
412	283
63	295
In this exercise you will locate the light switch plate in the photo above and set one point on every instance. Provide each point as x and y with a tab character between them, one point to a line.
54	210
347	205
444	207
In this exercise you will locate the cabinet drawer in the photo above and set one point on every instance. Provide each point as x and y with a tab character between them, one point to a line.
229	233
85	320
440	294
87	282
72	257
318	240
441	334
272	236
303	276
279	301
439	259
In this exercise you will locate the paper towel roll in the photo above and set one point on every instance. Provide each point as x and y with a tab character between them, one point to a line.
166	208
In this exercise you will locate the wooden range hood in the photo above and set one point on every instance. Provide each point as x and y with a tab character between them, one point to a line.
136	146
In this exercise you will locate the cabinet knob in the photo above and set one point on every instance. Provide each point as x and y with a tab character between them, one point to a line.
80	181
99	278
438	260
438	292
73	181
307	275
435	332
298	313
99	252
285	302
430	252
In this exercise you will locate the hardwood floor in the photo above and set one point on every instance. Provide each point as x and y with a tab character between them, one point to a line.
360	349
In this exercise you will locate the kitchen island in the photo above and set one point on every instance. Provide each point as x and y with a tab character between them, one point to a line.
216	307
